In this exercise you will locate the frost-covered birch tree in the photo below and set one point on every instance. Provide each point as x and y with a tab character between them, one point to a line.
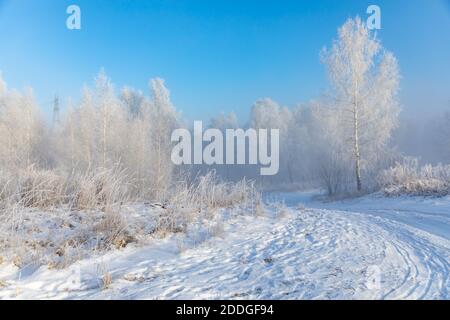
164	119
365	81
113	122
22	129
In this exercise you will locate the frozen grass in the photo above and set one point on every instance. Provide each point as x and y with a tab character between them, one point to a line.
208	192
46	189
51	219
411	179
198	201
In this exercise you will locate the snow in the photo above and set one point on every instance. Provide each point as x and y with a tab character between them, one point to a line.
430	214
367	248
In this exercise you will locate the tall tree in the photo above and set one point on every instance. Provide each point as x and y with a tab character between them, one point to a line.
365	80
164	120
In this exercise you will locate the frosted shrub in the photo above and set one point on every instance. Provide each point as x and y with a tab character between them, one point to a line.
199	200
41	188
101	189
32	187
208	192
409	178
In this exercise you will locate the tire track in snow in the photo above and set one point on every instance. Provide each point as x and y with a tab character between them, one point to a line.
426	259
309	254
313	254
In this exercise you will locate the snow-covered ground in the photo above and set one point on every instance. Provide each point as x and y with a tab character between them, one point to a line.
372	247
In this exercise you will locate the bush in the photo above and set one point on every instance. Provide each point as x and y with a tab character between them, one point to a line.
411	179
207	191
199	199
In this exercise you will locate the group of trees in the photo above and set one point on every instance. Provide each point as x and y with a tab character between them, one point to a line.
127	132
342	139
339	141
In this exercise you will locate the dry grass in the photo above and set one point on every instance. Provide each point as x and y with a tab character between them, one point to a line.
105	277
201	199
47	218
208	192
46	189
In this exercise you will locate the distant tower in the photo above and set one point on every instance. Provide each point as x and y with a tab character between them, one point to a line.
56	120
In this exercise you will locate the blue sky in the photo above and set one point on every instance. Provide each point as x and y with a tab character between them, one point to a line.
216	55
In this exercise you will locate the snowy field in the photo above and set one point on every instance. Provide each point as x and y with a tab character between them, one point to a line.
369	248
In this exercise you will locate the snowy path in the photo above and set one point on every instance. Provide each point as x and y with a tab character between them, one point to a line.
307	254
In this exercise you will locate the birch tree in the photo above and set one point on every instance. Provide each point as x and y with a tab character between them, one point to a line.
133	101
112	119
139	155
365	80
164	119
21	129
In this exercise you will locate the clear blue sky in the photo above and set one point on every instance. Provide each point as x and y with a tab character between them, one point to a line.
216	55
